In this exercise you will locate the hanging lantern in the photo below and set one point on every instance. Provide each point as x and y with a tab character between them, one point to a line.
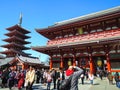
99	63
69	63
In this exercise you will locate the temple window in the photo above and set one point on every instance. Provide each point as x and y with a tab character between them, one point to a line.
66	36
77	34
118	51
99	30
108	28
80	30
70	34
92	31
112	51
114	27
85	32
56	37
59	36
111	24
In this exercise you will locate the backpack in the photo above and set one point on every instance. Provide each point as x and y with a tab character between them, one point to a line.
65	84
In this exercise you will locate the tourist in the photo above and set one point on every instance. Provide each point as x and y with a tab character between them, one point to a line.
61	76
38	75
11	79
75	72
41	78
4	78
86	74
49	79
21	80
91	77
17	77
116	77
101	74
44	77
69	72
82	78
110	78
30	77
54	76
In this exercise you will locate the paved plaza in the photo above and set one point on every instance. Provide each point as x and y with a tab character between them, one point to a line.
98	85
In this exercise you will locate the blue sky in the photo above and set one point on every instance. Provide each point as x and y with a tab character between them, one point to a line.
43	13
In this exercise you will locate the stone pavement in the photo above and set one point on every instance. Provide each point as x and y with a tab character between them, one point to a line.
98	85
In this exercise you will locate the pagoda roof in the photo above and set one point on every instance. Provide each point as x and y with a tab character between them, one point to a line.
15	45
90	18
13	51
18	28
46	49
17	39
10	51
2	56
17	33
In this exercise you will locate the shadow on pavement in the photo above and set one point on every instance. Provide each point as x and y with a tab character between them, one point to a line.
96	84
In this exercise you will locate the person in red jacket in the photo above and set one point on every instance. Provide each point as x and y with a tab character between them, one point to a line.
21	80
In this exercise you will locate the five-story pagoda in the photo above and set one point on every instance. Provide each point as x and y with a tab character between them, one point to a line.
16	41
16	58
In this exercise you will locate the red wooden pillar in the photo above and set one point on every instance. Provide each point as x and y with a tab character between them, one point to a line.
51	63
61	62
107	57
23	66
74	60
108	62
91	64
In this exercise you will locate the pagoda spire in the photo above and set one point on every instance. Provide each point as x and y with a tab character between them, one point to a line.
20	20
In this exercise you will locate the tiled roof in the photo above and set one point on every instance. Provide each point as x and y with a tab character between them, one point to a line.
29	60
92	15
5	61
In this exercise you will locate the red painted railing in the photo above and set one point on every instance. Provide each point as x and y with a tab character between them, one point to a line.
91	36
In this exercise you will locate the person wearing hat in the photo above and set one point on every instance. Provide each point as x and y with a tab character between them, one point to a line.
75	72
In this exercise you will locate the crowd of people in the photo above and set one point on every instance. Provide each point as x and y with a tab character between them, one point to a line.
18	78
25	78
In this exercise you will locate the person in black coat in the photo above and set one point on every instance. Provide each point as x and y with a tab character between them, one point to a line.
60	77
116	77
38	75
54	76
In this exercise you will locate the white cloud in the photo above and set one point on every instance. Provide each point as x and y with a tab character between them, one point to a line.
3	49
